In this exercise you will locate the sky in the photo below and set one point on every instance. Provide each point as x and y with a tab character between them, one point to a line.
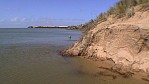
24	13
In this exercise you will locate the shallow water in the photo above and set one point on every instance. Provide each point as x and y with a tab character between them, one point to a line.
30	56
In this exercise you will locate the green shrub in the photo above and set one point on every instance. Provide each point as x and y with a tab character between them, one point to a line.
130	12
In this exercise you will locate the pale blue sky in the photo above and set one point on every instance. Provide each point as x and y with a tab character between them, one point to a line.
22	13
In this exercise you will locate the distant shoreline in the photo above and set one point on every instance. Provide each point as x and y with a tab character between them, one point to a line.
48	27
63	27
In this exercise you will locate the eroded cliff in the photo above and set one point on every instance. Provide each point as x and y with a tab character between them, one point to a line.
125	41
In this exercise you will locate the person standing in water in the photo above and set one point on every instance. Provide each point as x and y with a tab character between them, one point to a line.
69	37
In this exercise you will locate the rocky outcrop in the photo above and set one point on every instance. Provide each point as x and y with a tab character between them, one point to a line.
125	41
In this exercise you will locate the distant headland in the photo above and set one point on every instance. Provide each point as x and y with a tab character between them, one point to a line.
63	27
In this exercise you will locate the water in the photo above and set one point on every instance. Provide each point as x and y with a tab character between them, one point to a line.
36	36
30	56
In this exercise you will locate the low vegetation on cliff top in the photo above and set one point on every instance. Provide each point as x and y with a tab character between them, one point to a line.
121	9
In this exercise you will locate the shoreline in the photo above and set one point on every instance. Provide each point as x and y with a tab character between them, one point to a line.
125	72
107	68
59	27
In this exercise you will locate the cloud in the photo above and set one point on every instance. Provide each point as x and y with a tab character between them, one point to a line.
39	20
2	20
19	20
15	19
27	21
23	19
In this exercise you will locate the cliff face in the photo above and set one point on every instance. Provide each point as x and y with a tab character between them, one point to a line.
125	41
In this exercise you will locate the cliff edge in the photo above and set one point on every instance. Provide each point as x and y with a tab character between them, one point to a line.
125	41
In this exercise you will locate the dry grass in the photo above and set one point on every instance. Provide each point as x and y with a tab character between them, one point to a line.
121	9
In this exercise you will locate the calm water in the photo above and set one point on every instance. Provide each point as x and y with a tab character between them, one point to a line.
30	56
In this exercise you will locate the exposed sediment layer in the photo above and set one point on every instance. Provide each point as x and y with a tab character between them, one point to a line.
124	41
